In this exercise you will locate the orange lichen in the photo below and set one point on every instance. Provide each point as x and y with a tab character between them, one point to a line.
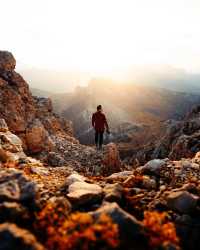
78	231
159	229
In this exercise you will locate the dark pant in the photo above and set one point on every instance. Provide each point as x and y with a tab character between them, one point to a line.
99	139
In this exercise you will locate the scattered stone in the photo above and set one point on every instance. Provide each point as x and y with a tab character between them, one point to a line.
55	159
42	171
113	192
81	193
120	175
154	166
182	201
74	178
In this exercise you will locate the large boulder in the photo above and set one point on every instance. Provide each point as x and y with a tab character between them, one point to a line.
131	230
13	237
37	137
7	61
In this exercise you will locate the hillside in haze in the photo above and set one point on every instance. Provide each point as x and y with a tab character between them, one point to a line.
161	76
166	76
130	108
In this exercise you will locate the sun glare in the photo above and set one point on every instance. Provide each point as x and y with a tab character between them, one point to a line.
103	36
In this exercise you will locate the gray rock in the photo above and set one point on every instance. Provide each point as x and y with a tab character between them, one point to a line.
182	201
81	193
154	166
14	186
13	237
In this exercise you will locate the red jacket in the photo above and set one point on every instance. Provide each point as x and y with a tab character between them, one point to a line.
99	121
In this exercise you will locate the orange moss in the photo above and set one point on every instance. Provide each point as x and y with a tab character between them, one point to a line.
160	230
78	231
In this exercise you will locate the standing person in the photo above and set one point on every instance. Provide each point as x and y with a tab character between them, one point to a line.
99	123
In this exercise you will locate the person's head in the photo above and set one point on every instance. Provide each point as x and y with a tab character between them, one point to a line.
99	108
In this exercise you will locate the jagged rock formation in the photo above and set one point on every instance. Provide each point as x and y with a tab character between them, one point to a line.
31	118
179	139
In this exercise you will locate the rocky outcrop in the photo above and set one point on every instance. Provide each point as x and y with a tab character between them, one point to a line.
31	118
178	139
43	133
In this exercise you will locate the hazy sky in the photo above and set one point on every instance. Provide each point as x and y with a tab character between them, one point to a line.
101	35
